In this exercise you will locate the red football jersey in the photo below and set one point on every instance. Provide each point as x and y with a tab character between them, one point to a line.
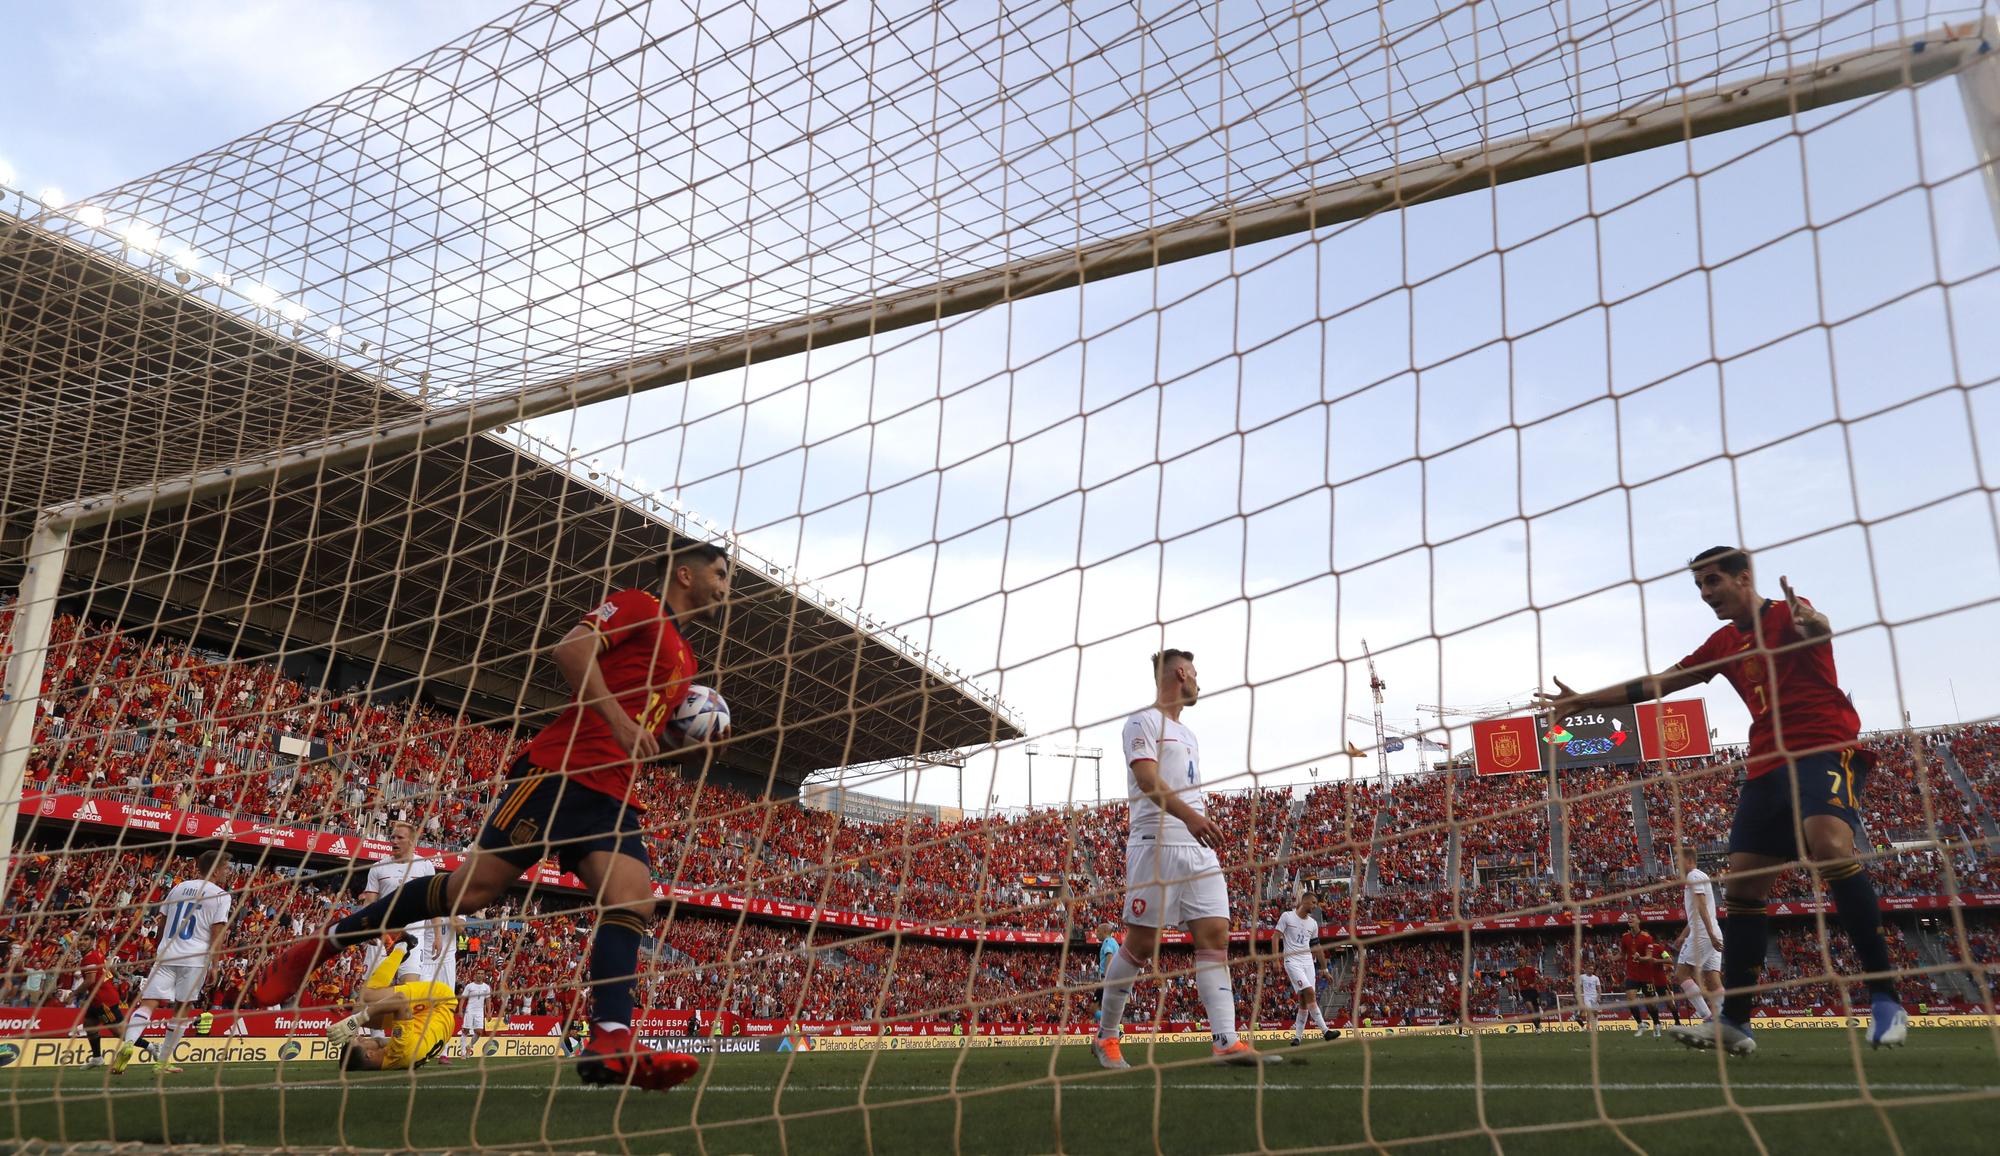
1526	976
1638	948
94	985
1801	684
647	666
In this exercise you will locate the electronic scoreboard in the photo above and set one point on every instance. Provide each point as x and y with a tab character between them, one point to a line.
1676	729
1591	738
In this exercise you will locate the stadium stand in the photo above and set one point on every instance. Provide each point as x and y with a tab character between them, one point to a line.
163	723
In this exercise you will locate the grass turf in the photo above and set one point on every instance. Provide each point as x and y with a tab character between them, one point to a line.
1553	1092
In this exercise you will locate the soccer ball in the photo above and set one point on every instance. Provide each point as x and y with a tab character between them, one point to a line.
701	716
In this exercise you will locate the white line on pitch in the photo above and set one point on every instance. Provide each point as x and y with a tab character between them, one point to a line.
1098	1086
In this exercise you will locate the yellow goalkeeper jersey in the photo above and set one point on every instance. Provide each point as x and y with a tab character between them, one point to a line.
415	1037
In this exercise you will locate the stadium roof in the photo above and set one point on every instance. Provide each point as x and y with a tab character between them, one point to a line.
454	566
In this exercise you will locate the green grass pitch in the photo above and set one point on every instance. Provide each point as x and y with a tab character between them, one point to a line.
1802	1093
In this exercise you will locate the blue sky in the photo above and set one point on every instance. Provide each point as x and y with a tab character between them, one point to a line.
1482	434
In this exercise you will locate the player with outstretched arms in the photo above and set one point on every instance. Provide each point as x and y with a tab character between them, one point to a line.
571	795
1172	874
195	920
1801	789
1297	932
1637	949
1698	948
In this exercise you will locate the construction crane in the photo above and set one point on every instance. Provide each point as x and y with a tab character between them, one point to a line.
1375	688
1519	704
1413	738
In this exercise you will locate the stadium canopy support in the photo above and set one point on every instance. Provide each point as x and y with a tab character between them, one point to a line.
34	620
1979	85
1961	50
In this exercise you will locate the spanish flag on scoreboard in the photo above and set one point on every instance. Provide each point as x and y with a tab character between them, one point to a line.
1506	746
1675	729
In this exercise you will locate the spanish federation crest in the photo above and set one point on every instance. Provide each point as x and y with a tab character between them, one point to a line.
1674	732
1505	747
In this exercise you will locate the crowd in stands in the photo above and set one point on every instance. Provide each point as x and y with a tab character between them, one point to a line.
68	900
161	721
1977	749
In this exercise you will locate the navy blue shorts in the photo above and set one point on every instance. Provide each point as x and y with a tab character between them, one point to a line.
1829	783
543	813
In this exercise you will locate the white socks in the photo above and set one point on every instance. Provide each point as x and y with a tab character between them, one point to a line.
1299	1024
1692	990
176	1028
136	1026
1318	1017
1119	976
1211	979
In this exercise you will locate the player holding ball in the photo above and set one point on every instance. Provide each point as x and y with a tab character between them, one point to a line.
570	795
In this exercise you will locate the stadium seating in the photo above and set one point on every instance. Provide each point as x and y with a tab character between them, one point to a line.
161	722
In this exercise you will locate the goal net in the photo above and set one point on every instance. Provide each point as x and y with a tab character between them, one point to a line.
1393	360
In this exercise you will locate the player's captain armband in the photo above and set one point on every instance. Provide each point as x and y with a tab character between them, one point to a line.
605	613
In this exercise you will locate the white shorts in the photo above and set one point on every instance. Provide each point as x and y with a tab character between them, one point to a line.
443	969
173	982
472	1025
1587	1002
1700	954
1165	886
1300	972
414	962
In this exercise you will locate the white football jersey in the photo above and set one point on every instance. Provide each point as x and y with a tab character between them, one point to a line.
1590	987
1697	884
1152	735
387	874
1298	932
190	913
472	998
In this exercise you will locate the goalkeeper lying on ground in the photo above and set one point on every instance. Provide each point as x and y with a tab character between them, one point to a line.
419	1017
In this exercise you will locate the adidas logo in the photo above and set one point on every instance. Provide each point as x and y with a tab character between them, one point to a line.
339	846
226	830
237	1028
88	813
